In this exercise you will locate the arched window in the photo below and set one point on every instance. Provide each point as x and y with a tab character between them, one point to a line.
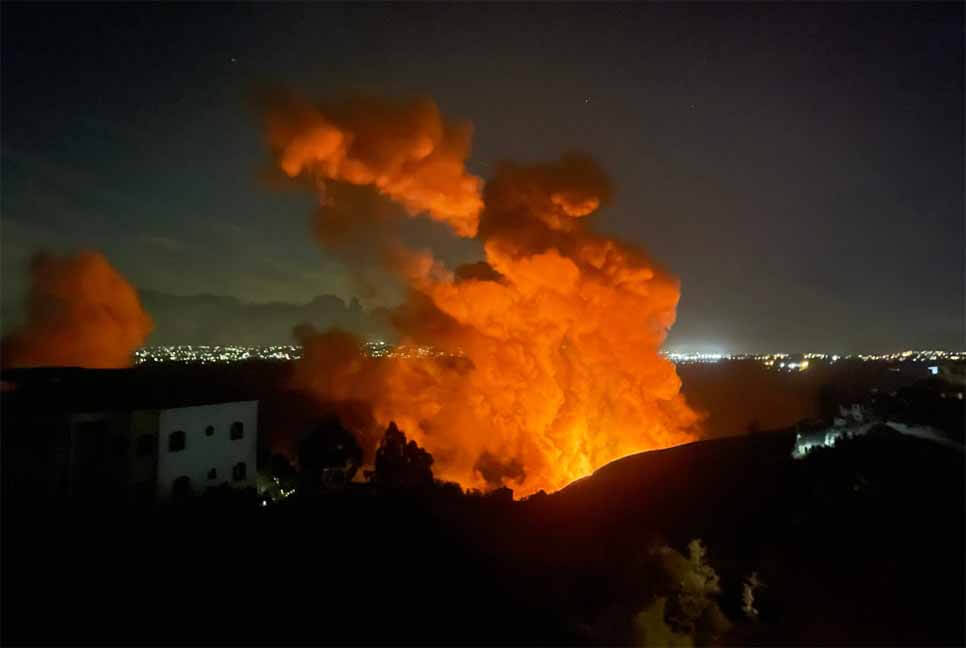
239	472
181	487
176	441
237	430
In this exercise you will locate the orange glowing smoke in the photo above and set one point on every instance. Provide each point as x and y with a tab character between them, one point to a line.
81	313
404	149
551	366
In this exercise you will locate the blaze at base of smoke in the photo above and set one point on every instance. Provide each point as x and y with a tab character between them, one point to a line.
80	313
551	366
552	375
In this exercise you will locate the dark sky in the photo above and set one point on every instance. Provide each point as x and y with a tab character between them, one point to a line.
799	167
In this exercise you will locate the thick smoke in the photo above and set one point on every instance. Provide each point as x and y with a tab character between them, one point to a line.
81	313
404	149
548	363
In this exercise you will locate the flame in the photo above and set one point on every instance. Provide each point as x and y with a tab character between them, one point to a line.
549	366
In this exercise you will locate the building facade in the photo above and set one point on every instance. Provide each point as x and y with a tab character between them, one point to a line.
203	446
154	454
130	449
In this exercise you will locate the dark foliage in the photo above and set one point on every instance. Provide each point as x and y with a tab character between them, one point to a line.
329	450
402	464
857	545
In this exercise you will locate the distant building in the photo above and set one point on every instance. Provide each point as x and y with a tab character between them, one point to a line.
855	422
101	435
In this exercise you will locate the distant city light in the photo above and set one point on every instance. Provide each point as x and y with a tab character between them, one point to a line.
380	349
786	362
215	354
203	354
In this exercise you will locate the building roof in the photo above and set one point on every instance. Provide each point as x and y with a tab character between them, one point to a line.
70	389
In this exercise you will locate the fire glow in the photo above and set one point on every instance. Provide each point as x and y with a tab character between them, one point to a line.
550	365
81	312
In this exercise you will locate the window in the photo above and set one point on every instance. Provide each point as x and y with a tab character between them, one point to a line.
210	430
237	430
181	487
176	441
239	472
212	474
144	446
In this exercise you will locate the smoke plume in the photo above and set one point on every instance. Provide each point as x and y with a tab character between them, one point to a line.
80	313
403	149
545	361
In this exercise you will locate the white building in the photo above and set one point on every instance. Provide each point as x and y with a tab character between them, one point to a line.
154	453
209	445
127	446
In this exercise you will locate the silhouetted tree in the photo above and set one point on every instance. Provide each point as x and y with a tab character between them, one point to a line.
502	496
282	470
402	464
329	448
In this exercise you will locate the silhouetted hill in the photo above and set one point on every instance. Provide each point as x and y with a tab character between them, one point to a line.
858	544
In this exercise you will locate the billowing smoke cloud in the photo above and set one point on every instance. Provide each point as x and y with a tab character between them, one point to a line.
548	363
81	313
404	149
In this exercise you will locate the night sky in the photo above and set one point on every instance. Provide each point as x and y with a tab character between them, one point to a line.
800	168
